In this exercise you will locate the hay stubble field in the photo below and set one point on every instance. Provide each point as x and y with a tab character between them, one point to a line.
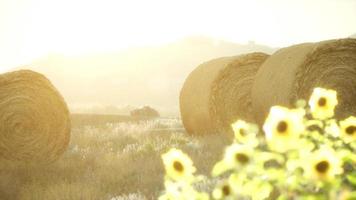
113	161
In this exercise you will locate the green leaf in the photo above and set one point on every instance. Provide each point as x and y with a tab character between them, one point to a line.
352	178
351	196
282	197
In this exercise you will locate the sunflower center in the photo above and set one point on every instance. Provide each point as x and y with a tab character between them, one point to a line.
178	166
322	166
322	101
350	130
282	127
242	132
226	190
242	158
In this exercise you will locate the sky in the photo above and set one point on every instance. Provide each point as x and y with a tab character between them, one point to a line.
30	29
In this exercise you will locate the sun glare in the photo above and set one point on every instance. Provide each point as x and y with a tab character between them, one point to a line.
34	28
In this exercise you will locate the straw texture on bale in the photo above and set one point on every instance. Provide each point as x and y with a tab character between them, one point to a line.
217	93
293	72
34	119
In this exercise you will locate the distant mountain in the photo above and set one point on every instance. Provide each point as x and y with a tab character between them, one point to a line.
352	36
138	76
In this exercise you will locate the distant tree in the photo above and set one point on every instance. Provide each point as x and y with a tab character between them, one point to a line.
145	112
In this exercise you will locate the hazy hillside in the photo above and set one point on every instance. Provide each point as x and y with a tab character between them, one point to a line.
137	76
353	36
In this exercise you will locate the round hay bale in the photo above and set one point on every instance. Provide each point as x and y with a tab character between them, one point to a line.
34	119
293	72
217	93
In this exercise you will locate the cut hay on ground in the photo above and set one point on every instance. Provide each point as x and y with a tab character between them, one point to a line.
34	119
217	93
292	73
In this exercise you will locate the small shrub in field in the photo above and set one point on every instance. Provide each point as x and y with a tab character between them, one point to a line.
304	154
145	112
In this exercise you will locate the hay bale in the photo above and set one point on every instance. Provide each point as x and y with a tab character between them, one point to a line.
34	119
217	93
293	72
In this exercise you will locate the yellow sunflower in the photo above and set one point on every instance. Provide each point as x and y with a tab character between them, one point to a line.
282	127
245	132
181	191
256	189
348	129
237	156
322	103
173	190
178	166
224	191
332	128
323	165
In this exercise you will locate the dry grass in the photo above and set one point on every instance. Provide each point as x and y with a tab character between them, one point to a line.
115	162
